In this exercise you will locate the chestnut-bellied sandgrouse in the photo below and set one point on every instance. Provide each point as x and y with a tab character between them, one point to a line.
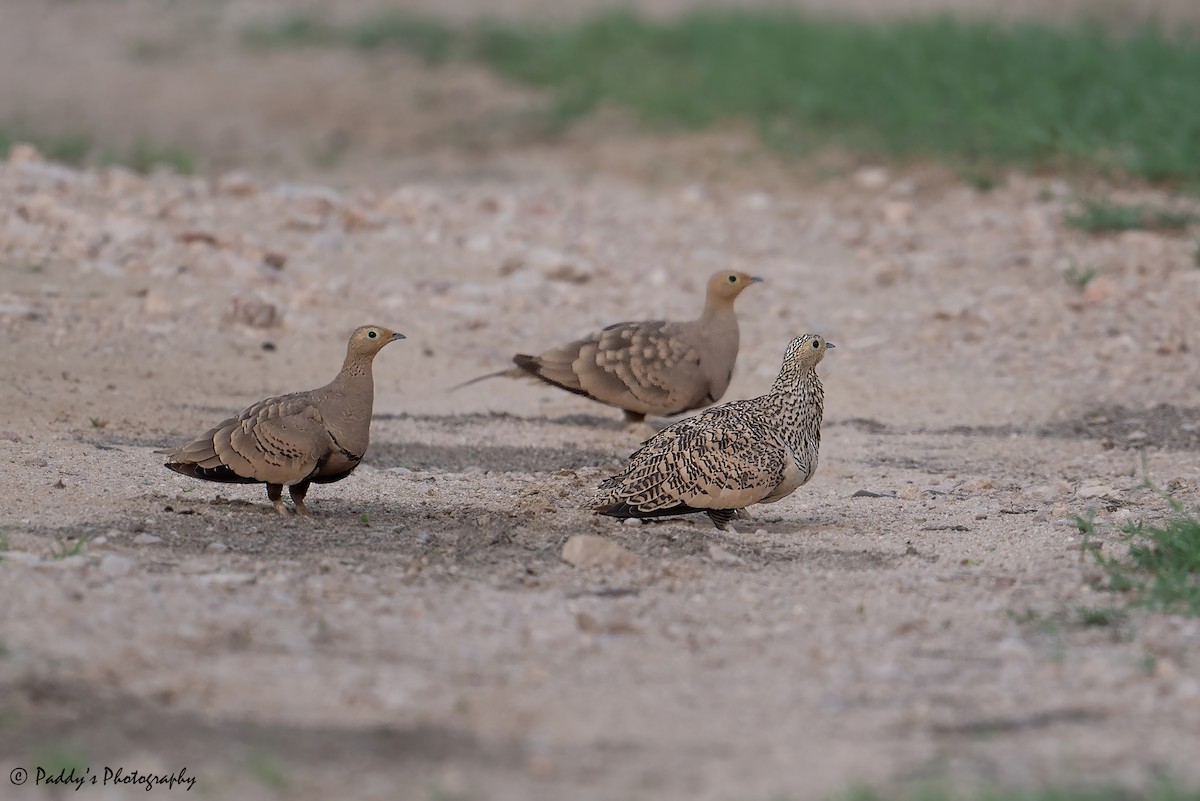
730	456
317	436
654	367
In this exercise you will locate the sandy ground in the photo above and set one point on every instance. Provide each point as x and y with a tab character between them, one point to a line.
421	637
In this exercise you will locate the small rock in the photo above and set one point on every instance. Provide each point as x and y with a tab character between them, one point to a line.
885	273
756	201
216	547
871	178
718	554
693	195
558	266
237	183
585	550
66	563
760	532
156	304
1100	289
897	212
274	259
228	580
1094	491
146	539
252	312
1041	492
909	492
616	625
570	273
632	522
511	264
23	153
1165	668
115	565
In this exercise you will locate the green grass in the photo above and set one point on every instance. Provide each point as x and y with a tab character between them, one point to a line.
976	94
1101	217
1080	277
430	40
1095	616
63	550
58	758
67	148
78	149
146	157
1162	568
266	770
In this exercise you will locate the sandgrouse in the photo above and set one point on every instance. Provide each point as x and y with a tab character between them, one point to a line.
731	456
316	436
653	367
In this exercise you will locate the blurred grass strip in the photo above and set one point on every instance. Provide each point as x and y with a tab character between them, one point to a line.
970	92
1015	94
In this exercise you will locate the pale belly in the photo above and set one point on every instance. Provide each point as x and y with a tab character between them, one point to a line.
793	478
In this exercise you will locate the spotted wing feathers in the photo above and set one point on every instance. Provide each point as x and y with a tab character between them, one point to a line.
276	441
649	367
725	458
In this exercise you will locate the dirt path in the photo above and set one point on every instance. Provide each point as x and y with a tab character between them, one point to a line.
421	637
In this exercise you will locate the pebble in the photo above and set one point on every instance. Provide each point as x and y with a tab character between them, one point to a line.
586	550
66	563
755	201
1122	517
228	580
871	178
23	153
1094	491
237	183
718	554
1041	492
146	539
898	212
216	547
1100	289
115	565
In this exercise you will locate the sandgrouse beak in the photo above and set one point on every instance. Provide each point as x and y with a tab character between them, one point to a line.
754	279
829	345
398	335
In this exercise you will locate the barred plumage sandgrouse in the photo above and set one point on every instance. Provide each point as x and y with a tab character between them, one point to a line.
731	456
